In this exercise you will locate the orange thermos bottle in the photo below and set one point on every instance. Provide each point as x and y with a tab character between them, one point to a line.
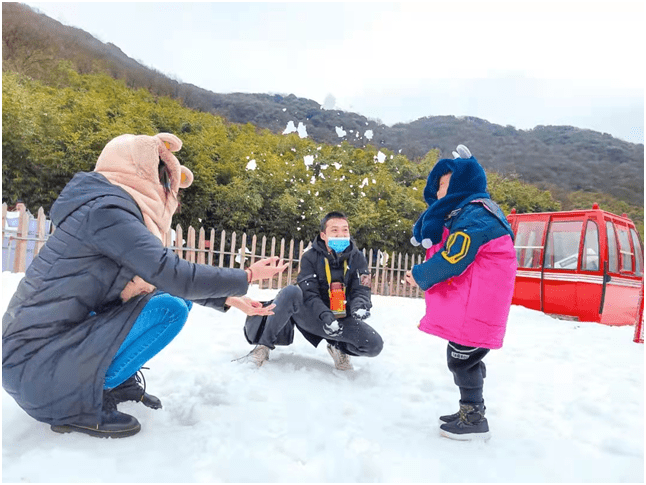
337	299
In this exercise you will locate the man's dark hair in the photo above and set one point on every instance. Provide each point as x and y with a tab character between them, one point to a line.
332	215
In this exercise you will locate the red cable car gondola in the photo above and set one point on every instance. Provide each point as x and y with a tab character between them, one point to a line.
585	265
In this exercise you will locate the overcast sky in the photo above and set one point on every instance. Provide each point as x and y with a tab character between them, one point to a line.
519	63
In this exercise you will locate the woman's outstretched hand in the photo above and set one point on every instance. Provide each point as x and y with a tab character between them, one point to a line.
265	269
249	306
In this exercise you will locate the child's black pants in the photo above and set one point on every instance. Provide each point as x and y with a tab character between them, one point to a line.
468	370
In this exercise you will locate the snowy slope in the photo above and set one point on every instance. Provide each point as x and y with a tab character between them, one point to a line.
564	401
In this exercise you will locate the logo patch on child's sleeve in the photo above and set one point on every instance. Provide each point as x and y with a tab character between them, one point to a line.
457	246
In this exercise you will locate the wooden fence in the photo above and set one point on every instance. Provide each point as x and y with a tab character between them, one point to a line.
22	242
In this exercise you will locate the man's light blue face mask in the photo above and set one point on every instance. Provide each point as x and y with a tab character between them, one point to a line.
338	244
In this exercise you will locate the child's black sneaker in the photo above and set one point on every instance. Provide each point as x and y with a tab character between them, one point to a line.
470	425
448	418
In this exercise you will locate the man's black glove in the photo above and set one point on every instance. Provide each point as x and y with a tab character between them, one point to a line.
331	326
361	313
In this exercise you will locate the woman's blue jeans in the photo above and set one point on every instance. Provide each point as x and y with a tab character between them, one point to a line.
156	326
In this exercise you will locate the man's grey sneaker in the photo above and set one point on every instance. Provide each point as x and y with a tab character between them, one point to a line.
113	424
259	355
341	360
447	418
470	425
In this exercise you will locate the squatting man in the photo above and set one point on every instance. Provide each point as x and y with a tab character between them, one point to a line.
330	301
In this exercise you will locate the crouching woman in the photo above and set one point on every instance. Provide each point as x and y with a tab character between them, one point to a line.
104	295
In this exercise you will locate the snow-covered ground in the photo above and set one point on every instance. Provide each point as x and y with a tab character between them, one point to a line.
565	403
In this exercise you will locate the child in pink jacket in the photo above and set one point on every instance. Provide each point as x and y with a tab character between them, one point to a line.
468	278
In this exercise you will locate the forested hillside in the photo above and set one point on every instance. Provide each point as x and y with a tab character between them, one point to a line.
246	179
575	165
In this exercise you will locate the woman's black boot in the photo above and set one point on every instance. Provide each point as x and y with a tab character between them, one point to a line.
113	423
131	390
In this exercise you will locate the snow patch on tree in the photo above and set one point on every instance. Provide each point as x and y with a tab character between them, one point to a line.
290	128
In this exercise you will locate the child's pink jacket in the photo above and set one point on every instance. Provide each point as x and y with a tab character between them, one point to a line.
472	308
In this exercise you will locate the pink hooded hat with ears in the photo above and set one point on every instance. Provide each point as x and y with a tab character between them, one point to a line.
132	162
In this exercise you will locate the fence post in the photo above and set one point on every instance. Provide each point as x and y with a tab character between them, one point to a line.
262	256
291	262
20	254
201	246
399	272
223	238
243	249
211	245
282	255
370	268
190	244
179	241
40	233
233	250
384	274
392	275
273	253
254	240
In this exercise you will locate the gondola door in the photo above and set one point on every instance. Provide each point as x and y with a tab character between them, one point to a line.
589	281
561	264
623	272
529	243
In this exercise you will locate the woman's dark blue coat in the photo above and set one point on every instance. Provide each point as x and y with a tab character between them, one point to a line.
54	354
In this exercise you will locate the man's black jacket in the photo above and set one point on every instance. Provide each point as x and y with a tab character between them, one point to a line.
313	279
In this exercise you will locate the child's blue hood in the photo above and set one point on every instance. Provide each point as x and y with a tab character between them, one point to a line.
468	178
